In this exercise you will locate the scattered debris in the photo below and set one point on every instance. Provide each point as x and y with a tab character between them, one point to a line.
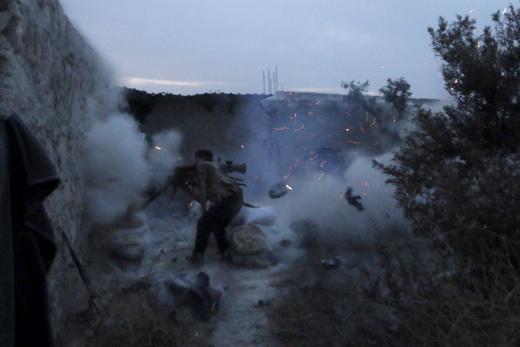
353	200
262	303
286	243
197	293
279	189
331	264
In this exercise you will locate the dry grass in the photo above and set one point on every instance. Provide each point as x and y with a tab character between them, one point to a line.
322	314
136	321
409	297
465	308
320	307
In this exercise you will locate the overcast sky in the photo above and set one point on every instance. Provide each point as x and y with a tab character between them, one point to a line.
198	46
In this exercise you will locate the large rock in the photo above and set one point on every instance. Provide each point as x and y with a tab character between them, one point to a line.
127	248
248	239
251	247
122	244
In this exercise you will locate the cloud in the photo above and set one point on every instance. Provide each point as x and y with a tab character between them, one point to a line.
341	34
140	81
327	90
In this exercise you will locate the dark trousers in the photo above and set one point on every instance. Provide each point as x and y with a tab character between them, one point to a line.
215	221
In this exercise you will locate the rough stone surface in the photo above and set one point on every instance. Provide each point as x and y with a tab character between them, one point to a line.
126	247
248	239
251	247
54	81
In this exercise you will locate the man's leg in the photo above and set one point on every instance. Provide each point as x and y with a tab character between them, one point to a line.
204	229
226	211
220	237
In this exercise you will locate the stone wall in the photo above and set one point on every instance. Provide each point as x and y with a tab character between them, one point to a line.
52	78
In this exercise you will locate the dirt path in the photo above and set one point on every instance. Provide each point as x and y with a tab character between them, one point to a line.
241	320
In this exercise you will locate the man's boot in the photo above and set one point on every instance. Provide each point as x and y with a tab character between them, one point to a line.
196	259
227	255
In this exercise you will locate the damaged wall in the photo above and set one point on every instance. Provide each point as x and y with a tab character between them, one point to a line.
51	78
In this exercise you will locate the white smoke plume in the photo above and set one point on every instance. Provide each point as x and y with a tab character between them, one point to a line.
163	156
119	166
323	202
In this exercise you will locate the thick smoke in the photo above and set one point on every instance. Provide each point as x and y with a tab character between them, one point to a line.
323	201
119	166
320	198
163	156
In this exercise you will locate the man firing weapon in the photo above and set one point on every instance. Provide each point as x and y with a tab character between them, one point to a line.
220	197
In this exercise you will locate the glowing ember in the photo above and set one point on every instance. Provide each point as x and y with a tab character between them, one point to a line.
157	147
242	146
281	129
288	187
347	130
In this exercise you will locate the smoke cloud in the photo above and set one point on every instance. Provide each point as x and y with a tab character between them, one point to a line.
119	166
322	201
163	156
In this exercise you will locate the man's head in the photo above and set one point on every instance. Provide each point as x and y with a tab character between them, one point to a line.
204	154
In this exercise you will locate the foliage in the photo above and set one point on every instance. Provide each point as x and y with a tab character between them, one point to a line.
358	100
456	174
397	92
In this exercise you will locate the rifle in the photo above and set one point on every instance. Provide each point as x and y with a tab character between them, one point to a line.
94	299
183	176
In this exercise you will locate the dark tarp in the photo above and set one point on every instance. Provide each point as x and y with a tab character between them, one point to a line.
6	248
26	240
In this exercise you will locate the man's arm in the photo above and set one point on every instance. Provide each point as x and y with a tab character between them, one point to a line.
191	193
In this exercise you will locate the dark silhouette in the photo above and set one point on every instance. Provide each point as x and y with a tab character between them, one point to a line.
353	200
